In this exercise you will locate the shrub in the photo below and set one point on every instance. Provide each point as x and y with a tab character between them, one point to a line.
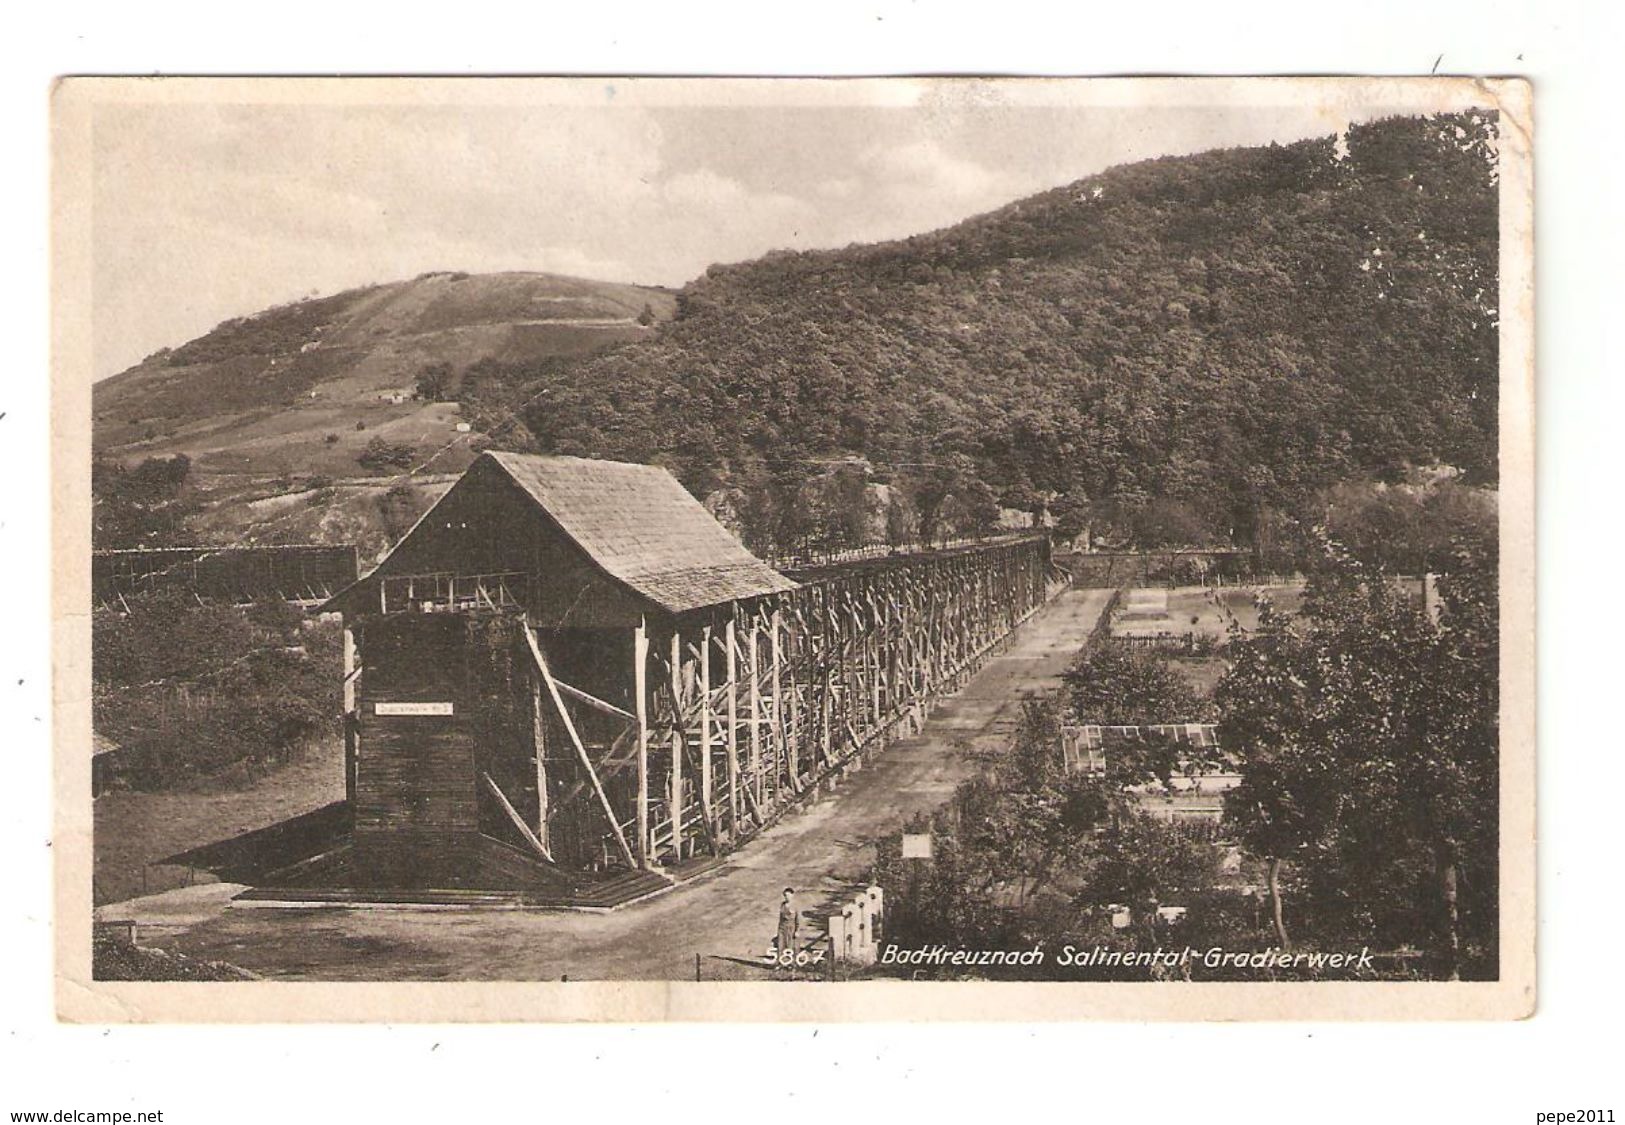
192	691
382	454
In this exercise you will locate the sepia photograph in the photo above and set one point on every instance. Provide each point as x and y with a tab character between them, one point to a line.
607	548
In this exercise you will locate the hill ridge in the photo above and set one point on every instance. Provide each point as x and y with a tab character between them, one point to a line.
1186	347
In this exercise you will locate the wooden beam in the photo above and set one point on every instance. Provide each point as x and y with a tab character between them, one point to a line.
575	739
513	815
640	695
707	825
598	704
756	807
610	764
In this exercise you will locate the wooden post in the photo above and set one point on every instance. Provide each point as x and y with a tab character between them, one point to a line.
829	626
352	720
877	634
731	670
775	654
538	737
706	733
640	693
787	704
676	775
755	712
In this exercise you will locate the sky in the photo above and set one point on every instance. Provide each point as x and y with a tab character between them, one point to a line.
205	209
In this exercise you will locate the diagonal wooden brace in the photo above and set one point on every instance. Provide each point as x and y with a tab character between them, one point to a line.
581	750
518	821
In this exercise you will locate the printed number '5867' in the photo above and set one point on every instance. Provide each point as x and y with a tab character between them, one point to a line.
790	957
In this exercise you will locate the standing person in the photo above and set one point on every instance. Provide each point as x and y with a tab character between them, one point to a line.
789	920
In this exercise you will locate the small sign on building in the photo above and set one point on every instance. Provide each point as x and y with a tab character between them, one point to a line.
916	845
412	708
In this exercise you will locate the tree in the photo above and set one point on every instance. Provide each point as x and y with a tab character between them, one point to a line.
436	383
1288	794
190	689
950	499
1234	331
1012	831
144	506
1409	528
1071	511
1029	851
1114	685
1369	739
1167	522
399	508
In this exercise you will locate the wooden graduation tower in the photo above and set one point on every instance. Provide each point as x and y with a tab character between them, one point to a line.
569	667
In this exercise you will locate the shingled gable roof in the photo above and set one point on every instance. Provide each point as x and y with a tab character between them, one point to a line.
643	528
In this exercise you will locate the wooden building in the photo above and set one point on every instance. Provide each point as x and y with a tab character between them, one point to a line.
568	666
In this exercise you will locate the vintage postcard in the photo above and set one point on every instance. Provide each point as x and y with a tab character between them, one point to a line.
633	549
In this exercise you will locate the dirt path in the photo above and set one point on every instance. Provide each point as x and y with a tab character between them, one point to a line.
730	911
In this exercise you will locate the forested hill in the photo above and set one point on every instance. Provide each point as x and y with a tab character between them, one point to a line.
1221	334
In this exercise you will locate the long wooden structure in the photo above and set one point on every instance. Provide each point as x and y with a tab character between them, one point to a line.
757	703
234	575
512	708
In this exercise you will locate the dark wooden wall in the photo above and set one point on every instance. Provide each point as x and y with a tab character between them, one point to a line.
417	802
487	525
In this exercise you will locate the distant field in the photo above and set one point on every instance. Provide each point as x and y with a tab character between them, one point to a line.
1209	612
1206	612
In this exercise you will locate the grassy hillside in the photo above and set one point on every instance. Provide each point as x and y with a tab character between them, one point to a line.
274	409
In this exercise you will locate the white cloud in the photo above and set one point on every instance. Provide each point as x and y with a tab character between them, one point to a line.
205	212
926	168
